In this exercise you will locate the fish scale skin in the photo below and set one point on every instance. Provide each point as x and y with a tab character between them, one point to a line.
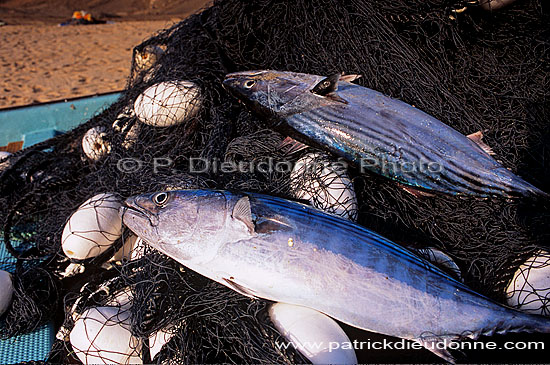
365	280
374	126
392	138
327	263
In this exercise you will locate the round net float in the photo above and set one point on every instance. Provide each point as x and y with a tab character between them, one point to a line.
325	184
101	335
6	291
123	125
168	103
92	228
132	136
95	144
3	159
529	289
317	336
440	259
3	155
147	57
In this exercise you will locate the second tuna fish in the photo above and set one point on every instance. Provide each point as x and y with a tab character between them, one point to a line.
381	134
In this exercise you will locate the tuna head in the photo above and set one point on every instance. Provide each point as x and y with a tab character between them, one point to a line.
280	93
188	225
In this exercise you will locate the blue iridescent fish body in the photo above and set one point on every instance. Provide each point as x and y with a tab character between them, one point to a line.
378	133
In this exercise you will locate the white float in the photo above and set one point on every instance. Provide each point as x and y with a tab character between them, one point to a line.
314	334
6	291
168	103
159	339
146	58
529	289
93	227
101	335
3	156
325	184
95	144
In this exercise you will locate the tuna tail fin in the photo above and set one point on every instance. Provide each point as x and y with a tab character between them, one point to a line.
526	189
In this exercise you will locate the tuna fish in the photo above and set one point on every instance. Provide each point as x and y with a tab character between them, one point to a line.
380	134
275	249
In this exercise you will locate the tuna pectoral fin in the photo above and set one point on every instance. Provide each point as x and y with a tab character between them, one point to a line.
243	213
477	139
335	97
267	225
239	288
438	347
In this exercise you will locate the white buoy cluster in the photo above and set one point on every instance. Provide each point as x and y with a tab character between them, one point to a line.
101	335
164	104
529	290
325	184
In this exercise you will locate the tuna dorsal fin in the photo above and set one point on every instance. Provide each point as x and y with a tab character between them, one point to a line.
349	78
242	212
327	85
477	139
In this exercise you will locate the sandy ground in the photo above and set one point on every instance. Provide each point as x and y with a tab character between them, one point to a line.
40	61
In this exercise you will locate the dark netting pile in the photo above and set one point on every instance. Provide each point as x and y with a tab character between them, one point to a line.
472	69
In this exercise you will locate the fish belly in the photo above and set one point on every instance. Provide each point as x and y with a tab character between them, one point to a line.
358	277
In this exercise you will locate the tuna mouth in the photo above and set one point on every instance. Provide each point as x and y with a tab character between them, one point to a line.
132	209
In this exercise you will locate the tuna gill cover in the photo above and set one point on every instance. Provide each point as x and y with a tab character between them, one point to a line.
473	69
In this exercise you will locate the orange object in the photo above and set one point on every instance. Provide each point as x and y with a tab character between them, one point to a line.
12	147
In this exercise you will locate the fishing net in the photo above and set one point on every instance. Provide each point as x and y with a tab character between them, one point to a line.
472	69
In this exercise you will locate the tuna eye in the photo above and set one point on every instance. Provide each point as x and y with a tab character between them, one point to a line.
160	198
249	83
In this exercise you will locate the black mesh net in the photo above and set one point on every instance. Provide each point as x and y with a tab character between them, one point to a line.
472	69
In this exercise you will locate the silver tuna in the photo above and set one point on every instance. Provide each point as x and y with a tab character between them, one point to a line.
380	134
288	252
